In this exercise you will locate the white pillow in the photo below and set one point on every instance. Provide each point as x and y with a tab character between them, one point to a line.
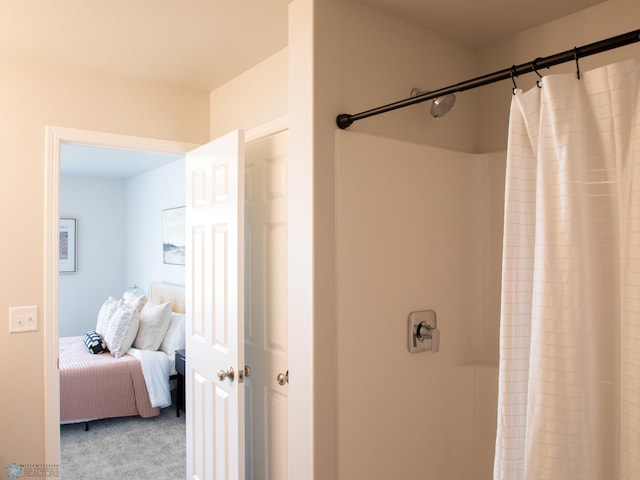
154	322
133	300
174	339
122	330
104	315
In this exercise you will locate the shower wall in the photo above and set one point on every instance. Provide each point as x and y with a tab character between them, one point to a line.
417	228
578	29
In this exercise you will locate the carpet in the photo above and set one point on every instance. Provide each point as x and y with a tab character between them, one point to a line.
132	448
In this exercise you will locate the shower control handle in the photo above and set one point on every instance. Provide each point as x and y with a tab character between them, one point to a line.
425	332
422	332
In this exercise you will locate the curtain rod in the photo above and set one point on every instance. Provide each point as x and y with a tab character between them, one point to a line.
344	120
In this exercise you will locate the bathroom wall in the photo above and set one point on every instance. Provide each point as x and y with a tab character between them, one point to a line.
415	226
255	97
365	59
36	94
345	57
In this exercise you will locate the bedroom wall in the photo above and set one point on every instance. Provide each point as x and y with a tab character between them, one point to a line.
120	240
99	205
34	94
147	196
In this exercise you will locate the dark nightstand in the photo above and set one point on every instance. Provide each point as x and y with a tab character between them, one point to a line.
180	397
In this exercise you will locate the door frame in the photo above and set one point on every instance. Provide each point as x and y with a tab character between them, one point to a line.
55	137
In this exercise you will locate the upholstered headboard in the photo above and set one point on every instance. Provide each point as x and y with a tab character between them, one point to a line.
166	292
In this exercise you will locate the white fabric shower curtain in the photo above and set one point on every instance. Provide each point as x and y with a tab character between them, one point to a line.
569	376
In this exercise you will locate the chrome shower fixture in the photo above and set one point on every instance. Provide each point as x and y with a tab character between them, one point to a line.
440	105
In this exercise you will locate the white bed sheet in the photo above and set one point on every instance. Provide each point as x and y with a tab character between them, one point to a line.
156	368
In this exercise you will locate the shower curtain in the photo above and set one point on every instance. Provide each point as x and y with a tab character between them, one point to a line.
569	375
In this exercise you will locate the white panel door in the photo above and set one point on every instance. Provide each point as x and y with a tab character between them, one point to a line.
215	310
266	307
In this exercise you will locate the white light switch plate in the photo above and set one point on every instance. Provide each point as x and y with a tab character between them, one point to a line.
23	319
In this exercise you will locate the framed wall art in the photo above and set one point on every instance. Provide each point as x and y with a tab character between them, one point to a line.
173	236
67	245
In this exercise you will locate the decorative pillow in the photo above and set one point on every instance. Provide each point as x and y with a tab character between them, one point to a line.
104	315
133	300
122	330
174	339
154	322
94	342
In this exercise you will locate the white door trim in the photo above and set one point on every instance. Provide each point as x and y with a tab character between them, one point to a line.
55	137
270	128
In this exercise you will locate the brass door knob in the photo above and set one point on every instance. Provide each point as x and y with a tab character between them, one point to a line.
230	374
283	378
244	373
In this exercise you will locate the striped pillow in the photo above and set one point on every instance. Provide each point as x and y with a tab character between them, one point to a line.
122	330
94	342
105	313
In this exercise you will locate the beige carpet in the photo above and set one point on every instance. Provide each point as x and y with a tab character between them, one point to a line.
131	448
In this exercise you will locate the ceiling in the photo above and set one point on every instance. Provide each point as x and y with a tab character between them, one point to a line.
88	161
202	44
479	23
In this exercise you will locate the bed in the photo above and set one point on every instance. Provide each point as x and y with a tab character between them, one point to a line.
124	382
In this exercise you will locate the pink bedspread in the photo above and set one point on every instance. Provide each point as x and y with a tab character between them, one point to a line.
100	386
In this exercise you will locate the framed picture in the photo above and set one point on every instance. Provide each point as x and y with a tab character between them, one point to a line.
173	236
67	245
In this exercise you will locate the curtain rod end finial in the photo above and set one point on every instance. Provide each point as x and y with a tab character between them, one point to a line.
344	120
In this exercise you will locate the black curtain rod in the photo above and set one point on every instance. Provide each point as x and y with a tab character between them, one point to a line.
344	120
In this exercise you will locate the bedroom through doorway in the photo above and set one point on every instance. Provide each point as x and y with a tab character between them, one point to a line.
257	459
110	194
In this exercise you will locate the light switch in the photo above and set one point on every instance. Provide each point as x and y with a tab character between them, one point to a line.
23	319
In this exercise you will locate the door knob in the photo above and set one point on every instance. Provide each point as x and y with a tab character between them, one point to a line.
230	374
283	378
244	373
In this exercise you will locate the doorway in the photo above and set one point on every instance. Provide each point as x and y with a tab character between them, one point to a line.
56	137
